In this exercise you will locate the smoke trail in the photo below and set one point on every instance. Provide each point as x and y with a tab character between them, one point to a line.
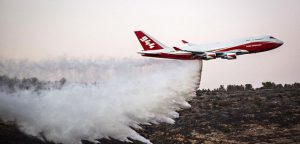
101	99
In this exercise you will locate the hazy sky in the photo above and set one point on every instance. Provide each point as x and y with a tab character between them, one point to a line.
42	29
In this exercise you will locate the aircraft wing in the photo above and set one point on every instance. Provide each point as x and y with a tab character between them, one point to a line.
207	55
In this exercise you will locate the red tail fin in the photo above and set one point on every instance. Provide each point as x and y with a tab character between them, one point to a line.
148	42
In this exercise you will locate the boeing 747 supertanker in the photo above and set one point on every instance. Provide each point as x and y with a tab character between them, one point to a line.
226	50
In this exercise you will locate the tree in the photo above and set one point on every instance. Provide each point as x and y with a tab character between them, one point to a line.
248	87
221	88
235	88
279	86
268	85
62	81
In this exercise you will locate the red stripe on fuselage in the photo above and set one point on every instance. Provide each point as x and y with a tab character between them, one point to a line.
251	47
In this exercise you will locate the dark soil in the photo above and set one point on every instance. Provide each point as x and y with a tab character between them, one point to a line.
253	116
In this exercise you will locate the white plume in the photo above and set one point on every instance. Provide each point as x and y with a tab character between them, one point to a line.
101	99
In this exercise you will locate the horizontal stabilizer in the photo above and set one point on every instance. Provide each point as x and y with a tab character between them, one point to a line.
186	42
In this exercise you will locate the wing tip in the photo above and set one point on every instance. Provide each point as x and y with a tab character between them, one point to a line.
176	48
184	41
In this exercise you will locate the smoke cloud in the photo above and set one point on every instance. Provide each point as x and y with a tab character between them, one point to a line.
100	99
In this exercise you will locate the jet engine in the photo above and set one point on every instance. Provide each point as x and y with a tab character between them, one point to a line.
229	56
208	56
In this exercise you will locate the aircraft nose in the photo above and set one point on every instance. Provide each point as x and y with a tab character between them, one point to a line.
279	42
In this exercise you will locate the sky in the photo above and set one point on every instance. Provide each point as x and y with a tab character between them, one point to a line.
44	29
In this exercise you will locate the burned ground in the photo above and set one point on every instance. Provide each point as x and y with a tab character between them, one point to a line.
247	116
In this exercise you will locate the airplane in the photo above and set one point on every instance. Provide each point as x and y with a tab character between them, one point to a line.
226	50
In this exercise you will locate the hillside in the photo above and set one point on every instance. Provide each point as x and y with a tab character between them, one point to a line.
270	115
236	114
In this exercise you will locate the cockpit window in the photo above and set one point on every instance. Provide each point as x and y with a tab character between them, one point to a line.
272	37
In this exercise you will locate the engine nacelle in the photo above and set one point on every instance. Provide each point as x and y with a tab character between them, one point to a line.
208	56
229	56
